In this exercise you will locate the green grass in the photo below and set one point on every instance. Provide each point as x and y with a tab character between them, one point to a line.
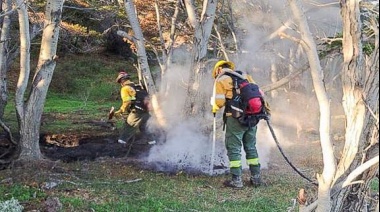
375	185
106	187
21	192
82	86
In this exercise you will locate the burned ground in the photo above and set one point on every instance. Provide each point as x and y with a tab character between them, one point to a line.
95	142
77	147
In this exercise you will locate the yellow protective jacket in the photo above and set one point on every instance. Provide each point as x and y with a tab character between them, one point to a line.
127	94
223	90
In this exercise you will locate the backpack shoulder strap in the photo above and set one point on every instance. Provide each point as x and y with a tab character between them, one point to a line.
231	73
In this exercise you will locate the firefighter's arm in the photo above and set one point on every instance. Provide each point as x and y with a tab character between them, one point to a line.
267	107
219	97
127	96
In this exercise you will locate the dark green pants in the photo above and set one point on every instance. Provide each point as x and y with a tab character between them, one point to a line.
135	121
238	136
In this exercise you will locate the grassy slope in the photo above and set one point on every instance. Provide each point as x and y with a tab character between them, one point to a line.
83	88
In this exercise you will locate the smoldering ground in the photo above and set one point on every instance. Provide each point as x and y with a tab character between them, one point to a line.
188	142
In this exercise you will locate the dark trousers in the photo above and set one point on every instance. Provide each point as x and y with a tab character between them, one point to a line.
238	136
134	122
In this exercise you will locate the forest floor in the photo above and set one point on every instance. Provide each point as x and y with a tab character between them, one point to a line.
95	152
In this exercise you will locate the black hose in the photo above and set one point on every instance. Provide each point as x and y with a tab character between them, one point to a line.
286	158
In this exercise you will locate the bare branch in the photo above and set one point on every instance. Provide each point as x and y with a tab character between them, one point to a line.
283	35
8	130
330	40
359	170
310	207
314	3
284	80
223	48
79	8
125	35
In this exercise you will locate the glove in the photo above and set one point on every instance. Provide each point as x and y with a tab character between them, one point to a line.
215	108
111	113
117	114
267	107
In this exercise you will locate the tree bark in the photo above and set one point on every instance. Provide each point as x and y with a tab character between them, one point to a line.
4	42
360	79
191	13
201	36
329	165
30	112
147	80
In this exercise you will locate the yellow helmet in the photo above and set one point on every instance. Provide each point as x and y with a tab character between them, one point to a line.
122	76
221	63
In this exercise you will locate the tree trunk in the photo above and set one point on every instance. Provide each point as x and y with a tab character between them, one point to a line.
138	40
329	165
140	45
360	80
4	42
201	36
30	112
191	12
273	78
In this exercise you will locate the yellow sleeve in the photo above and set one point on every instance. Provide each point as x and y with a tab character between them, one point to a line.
223	91
250	79
220	96
127	94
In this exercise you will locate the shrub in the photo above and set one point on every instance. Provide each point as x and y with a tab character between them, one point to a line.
11	205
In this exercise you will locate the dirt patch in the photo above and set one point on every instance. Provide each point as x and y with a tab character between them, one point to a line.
77	147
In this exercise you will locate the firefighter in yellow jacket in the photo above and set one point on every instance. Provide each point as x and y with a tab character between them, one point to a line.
237	135
135	118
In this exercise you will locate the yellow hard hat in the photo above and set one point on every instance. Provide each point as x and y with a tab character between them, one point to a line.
221	63
122	76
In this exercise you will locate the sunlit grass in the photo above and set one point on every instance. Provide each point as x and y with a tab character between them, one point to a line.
122	187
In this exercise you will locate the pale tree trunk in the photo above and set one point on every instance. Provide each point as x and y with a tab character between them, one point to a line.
130	9
166	49
30	111
191	13
138	40
273	77
4	42
201	36
360	80
329	165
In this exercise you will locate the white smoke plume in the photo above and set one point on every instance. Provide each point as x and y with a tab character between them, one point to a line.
188	141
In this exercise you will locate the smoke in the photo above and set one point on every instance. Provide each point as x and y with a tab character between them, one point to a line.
188	141
185	148
187	145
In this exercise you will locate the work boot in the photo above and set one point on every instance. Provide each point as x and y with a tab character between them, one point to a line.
256	180
255	175
121	141
235	182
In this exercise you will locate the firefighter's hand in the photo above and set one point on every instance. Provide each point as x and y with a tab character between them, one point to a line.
215	108
111	113
267	107
118	114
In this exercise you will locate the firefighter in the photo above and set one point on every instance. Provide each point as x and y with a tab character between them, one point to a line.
135	117
236	135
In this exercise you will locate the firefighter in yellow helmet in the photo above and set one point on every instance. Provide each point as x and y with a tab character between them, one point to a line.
237	135
135	117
